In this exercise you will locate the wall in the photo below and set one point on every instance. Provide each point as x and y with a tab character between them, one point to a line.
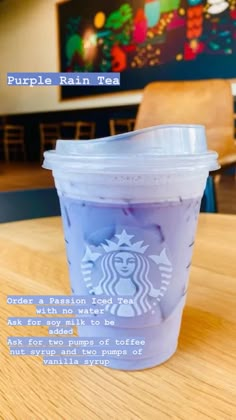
28	43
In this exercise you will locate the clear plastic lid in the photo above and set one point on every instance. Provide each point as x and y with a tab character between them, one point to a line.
150	149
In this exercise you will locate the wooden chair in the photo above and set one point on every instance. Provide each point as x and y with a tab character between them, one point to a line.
205	102
13	138
119	126
49	134
84	130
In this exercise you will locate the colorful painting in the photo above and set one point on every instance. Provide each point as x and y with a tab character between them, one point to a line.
147	40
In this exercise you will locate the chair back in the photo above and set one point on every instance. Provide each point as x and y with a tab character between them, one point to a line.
85	130
119	126
28	204
13	134
205	102
49	133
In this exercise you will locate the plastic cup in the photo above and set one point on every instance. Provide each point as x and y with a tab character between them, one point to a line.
130	206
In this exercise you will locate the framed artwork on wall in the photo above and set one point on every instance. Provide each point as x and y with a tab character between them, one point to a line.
146	40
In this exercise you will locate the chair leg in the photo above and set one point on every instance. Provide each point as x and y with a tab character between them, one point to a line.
6	152
41	151
93	131
217	178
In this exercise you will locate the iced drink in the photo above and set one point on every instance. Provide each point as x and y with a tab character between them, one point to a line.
129	219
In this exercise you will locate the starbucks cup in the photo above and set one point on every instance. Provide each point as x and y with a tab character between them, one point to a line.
130	206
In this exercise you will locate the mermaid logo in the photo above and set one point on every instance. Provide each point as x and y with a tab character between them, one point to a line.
125	271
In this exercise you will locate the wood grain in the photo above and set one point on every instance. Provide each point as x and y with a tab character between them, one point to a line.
198	382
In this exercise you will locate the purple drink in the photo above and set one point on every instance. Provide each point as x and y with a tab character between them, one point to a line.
138	251
130	208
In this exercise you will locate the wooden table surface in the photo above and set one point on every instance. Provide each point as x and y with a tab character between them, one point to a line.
198	382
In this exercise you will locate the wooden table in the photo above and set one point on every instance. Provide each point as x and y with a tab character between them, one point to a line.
198	382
